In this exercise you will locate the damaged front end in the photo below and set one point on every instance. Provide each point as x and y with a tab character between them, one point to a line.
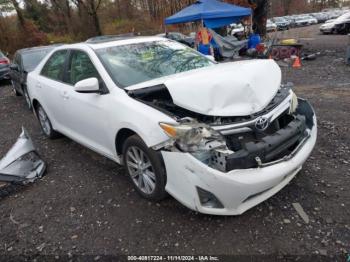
22	164
239	142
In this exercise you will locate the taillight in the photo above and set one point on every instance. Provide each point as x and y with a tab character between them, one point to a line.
4	61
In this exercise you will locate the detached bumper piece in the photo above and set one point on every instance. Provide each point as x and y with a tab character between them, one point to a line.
22	164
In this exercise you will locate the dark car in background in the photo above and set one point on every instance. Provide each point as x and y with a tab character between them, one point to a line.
321	17
25	61
4	67
282	23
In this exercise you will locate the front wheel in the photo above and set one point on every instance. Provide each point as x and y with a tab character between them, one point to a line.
45	123
145	168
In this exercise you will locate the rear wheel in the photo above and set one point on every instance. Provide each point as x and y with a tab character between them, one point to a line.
145	168
45	123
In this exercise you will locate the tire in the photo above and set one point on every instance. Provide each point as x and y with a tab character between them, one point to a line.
145	168
15	90
27	98
45	123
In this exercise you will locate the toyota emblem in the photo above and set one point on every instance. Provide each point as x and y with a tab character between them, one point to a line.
262	123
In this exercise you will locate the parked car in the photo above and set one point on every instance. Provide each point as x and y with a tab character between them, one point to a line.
291	20
302	21
311	20
25	61
179	37
282	24
338	26
219	138
4	67
270	26
321	17
333	14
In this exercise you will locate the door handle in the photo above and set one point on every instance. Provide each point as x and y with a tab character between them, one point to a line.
38	85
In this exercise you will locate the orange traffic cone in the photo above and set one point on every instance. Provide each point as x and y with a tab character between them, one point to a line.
297	62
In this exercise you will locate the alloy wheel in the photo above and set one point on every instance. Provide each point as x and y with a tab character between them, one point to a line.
44	121
141	169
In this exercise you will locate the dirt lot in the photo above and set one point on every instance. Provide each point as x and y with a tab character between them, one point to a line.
85	205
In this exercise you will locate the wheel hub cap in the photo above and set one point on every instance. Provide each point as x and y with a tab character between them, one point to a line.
141	170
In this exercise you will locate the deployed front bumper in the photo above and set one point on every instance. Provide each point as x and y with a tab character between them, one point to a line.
237	190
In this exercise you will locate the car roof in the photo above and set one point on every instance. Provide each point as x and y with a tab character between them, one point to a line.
114	42
36	48
103	38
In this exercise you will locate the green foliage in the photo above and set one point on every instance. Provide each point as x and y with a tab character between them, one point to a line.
6	6
57	39
37	11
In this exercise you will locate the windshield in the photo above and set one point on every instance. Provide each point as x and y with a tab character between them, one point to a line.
1	55
136	63
33	58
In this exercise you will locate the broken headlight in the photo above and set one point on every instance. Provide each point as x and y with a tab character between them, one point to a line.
193	136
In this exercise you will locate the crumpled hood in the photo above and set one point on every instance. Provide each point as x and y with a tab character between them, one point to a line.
228	89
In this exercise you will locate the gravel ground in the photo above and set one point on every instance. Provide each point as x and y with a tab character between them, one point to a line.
85	205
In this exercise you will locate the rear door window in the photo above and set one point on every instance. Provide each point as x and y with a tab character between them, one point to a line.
54	67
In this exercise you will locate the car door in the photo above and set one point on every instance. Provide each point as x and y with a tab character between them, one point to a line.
50	87
15	73
85	112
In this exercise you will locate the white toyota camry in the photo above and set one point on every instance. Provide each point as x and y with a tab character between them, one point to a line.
220	138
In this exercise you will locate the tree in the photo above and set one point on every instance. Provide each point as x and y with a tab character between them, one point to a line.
19	13
260	8
91	7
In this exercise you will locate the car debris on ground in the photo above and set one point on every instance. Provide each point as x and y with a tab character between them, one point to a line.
22	164
301	212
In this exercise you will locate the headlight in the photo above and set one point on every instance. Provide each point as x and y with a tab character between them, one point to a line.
293	103
193	136
327	26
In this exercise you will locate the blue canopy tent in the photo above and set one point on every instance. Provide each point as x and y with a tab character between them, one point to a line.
213	13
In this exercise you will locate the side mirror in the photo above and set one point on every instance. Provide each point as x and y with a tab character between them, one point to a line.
87	86
210	57
14	67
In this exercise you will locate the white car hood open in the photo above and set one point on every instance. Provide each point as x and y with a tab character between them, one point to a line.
229	89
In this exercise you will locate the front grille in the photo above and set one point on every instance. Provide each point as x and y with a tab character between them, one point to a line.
254	148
